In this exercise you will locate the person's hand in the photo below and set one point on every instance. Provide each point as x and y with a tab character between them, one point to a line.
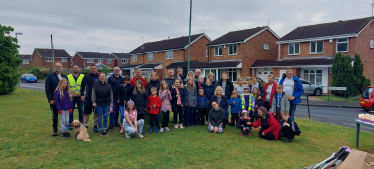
243	128
70	110
263	133
79	94
215	130
60	112
82	98
117	101
74	95
197	111
253	110
287	124
182	86
233	102
256	106
240	112
94	105
248	123
292	97
136	131
111	104
154	105
182	105
124	101
259	97
177	95
284	124
52	102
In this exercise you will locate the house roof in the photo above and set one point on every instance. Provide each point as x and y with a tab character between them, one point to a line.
312	61
121	55
196	64
222	64
124	66
183	64
58	53
348	27
240	36
25	56
95	55
149	65
168	44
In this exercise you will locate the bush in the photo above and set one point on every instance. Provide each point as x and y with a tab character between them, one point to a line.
358	70
342	75
40	72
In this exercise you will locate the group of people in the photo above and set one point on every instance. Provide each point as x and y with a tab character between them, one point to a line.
194	101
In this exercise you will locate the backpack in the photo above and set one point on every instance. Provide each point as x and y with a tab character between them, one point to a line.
296	128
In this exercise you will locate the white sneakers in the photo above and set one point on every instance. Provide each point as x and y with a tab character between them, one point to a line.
176	126
162	130
127	135
167	129
139	135
181	126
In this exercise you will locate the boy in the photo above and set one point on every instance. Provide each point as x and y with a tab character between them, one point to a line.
201	108
244	124
236	107
200	83
280	103
289	127
154	105
248	102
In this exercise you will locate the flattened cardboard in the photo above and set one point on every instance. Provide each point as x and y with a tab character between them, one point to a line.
355	160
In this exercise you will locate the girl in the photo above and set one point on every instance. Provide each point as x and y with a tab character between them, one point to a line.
131	124
258	103
165	97
216	115
125	92
64	105
190	74
191	101
221	99
140	98
178	100
244	123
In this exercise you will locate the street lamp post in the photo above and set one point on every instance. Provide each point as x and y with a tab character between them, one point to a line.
18	33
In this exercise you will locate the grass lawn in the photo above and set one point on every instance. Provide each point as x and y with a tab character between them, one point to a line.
26	142
334	98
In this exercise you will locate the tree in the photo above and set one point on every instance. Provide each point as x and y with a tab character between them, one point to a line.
358	70
342	75
9	61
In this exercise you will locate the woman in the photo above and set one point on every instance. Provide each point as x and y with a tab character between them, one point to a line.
270	90
270	128
221	99
227	88
154	82
240	87
211	77
215	118
140	98
102	96
125	92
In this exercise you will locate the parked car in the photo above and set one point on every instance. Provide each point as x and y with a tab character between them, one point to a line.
28	78
247	81
309	88
367	99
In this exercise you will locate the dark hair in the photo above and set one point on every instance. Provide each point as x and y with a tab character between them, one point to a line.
127	108
76	66
93	65
126	78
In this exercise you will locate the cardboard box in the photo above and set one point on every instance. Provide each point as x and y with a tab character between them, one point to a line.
356	160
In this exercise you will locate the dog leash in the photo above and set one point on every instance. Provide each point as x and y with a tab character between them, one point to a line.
95	119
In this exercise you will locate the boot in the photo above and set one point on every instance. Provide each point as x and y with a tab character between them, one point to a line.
156	130
122	129
55	132
151	129
101	132
110	127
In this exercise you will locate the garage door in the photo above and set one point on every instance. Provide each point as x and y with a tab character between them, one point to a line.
263	74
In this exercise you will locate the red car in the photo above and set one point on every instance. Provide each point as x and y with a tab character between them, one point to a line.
367	99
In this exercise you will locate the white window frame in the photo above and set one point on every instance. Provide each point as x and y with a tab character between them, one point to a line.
236	49
109	61
307	72
266	47
294	53
337	42
63	60
315	52
90	60
134	58
218	47
206	53
230	72
100	61
125	61
48	59
150	56
169	54
26	62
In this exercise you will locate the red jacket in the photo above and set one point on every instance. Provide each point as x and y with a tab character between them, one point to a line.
134	79
154	101
273	91
274	126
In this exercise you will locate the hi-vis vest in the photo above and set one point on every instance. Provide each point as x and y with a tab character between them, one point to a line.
243	102
75	87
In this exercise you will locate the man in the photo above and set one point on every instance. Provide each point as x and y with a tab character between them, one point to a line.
198	74
170	79
179	74
51	83
115	81
293	88
138	76
86	87
75	81
258	85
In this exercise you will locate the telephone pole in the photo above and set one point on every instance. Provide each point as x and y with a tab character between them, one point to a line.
52	53
189	39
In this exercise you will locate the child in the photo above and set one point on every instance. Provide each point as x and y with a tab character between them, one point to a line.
154	105
280	103
165	96
200	83
140	98
64	105
244	123
258	103
201	108
289	127
125	91
131	124
248	101
177	102
208	90
236	107
191	102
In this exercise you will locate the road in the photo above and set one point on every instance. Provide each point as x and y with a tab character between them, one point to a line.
32	86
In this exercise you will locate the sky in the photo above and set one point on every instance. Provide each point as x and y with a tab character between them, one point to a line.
116	26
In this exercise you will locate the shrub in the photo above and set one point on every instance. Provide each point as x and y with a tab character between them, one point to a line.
342	75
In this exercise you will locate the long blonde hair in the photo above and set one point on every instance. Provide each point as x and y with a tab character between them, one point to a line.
258	93
162	85
218	88
142	89
191	87
61	89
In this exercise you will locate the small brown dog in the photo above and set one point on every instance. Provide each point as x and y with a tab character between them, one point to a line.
80	131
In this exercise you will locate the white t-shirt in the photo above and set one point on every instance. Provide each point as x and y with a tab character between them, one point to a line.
268	92
223	88
59	77
288	86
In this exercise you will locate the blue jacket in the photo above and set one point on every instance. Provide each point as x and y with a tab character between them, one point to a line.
202	102
173	93
209	91
64	103
51	83
295	128
298	89
235	108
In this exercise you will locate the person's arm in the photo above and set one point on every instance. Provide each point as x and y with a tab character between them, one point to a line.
231	101
93	96
149	103
262	91
239	123
273	107
287	105
272	125
257	123
158	102
47	88
300	89
162	95
169	95
183	97
146	99
121	96
83	85
111	94
135	126
240	105
57	100
220	120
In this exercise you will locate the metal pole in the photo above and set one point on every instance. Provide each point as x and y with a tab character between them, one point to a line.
52	53
189	39
345	95
307	98
328	93
18	66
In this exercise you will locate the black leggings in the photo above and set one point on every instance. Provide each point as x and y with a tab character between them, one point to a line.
268	136
165	119
234	118
140	116
287	132
180	113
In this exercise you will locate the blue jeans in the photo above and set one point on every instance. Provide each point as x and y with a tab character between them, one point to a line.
130	130
115	114
100	111
227	115
292	109
80	110
189	115
122	111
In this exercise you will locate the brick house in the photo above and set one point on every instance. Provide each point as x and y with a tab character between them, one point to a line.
43	58
156	56
310	50
26	59
85	59
121	58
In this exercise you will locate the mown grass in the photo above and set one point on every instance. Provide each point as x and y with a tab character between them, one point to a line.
26	142
334	98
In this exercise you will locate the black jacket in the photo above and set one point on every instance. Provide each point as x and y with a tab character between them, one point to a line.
51	83
170	82
243	122
102	94
216	116
140	101
151	84
87	83
259	87
182	78
115	82
229	87
182	94
224	104
125	93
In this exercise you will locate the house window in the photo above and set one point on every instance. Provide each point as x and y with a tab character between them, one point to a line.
90	61
144	73
232	49
25	62
293	48
206	53
150	56
313	76
266	47
48	59
109	61
218	51
231	73
100	61
63	59
316	47
207	71
342	45
125	61
134	58
371	44
169	54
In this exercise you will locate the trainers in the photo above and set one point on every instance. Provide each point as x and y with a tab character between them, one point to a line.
156	130
241	133
139	135
249	134
176	126
181	126
206	122
167	129
161	130
63	135
95	129
110	127
105	132
117	125
101	133
67	127
55	132
68	134
288	141
122	130
127	135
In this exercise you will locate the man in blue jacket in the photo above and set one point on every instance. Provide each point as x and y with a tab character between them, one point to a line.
51	83
293	89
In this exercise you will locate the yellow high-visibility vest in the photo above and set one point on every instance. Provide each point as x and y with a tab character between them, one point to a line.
249	102
75	86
